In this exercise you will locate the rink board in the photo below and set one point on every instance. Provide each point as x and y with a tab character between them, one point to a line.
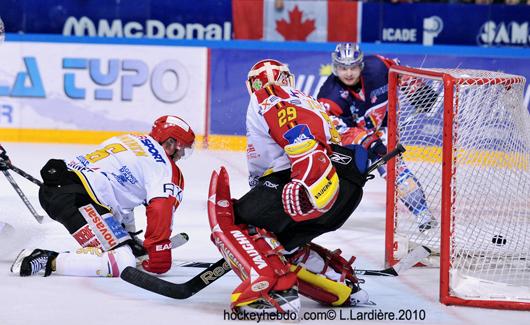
90	91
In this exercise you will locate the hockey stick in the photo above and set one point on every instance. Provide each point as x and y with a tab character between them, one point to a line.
412	258
11	180
216	270
383	160
386	272
24	174
176	290
415	256
5	164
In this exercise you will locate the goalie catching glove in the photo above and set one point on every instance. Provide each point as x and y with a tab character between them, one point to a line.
314	184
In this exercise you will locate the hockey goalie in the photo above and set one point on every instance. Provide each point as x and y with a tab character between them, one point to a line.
303	184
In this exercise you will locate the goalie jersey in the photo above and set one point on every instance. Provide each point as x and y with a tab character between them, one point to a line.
278	116
127	171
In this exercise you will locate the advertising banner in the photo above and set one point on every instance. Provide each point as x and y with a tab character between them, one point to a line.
456	24
205	19
102	87
297	20
230	68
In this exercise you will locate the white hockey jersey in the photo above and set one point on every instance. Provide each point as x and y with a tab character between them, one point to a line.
127	171
277	116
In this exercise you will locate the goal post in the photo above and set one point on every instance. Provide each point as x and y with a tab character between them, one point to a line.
467	137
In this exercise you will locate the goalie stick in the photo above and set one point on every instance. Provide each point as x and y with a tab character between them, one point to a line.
409	261
218	269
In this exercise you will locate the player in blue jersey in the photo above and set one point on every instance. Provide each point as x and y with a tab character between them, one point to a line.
356	95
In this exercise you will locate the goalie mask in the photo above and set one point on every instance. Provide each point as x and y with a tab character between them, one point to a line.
174	129
346	55
269	72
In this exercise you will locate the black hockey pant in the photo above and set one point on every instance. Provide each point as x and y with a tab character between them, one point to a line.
262	206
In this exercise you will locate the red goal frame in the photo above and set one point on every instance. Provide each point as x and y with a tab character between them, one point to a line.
448	173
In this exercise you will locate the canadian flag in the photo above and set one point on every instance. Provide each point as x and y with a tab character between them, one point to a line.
298	20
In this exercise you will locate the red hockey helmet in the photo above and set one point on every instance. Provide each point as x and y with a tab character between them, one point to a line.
170	126
269	71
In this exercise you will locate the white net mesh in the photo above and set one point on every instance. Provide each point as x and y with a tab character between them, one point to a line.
490	208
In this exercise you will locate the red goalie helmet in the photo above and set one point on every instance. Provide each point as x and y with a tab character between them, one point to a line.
170	126
266	72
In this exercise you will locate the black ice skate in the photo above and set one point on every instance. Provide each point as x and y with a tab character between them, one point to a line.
29	263
288	300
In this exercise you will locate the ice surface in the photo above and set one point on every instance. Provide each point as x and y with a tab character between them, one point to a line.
72	300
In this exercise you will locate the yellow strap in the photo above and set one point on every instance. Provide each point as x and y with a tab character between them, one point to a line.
296	149
324	190
340	290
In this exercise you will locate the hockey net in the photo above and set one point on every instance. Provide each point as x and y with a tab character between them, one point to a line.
467	137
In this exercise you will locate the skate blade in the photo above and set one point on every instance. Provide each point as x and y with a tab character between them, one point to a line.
368	303
15	267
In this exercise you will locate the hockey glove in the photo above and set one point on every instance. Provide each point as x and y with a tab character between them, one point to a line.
314	184
157	243
159	257
373	144
4	159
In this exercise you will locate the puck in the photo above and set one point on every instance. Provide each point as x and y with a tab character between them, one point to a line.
498	240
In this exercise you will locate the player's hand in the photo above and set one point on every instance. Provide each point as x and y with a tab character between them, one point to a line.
314	185
377	150
4	164
296	202
373	144
159	257
4	159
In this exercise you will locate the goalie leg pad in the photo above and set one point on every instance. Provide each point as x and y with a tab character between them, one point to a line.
324	275
253	253
320	288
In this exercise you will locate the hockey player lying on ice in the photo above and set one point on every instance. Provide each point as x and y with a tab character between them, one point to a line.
304	184
94	194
